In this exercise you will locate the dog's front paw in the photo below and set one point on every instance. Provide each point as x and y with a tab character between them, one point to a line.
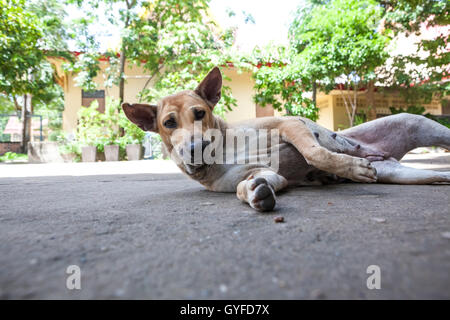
362	171
260	194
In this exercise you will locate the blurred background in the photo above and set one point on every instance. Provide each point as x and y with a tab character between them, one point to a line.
68	65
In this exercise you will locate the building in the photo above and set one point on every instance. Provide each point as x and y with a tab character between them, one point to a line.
241	85
332	112
333	115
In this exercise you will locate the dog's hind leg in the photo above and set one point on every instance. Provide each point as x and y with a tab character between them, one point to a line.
343	165
391	171
396	135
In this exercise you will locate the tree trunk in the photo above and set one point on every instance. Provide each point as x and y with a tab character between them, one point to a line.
370	96
123	60
24	144
122	85
355	103
347	104
314	93
29	120
122	76
16	105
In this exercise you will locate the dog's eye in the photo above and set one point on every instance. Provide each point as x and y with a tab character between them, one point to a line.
170	123
199	114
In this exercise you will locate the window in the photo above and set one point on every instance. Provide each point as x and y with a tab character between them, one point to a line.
87	97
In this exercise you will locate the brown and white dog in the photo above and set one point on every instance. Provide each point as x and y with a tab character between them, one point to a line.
308	154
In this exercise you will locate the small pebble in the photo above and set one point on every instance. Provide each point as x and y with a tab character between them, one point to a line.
207	204
278	219
33	261
83	259
223	288
446	235
379	220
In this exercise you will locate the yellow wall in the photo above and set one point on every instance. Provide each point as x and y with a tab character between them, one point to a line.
325	105
135	81
242	89
241	85
333	114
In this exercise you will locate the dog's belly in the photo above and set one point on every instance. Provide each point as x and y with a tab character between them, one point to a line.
284	160
293	166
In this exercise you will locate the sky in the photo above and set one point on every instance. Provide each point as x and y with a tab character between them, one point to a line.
271	19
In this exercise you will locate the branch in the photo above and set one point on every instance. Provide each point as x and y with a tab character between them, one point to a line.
151	77
355	87
16	104
345	103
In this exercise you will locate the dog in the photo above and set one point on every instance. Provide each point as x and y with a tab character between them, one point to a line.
308	153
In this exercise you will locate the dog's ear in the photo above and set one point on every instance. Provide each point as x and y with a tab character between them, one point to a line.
142	115
210	89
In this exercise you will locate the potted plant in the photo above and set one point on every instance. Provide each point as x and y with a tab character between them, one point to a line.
112	152
69	148
89	130
110	138
109	145
132	146
88	154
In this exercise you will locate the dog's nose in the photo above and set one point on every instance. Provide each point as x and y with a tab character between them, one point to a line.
197	145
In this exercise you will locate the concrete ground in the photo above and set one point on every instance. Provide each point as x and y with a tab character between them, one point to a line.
136	233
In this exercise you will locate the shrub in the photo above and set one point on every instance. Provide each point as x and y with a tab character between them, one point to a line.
12	156
99	129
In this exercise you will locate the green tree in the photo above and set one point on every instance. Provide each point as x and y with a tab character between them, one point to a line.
421	74
175	41
331	42
29	32
338	44
183	45
282	78
281	81
20	33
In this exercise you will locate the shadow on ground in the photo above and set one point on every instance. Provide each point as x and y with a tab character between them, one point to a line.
163	236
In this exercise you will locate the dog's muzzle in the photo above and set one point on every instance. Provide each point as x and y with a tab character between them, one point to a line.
193	153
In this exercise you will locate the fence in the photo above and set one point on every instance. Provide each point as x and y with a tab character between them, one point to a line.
11	128
11	132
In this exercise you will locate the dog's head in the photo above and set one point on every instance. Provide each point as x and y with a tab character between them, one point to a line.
177	117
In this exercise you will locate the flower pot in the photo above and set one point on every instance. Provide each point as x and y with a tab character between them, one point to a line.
134	152
112	153
88	154
69	157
